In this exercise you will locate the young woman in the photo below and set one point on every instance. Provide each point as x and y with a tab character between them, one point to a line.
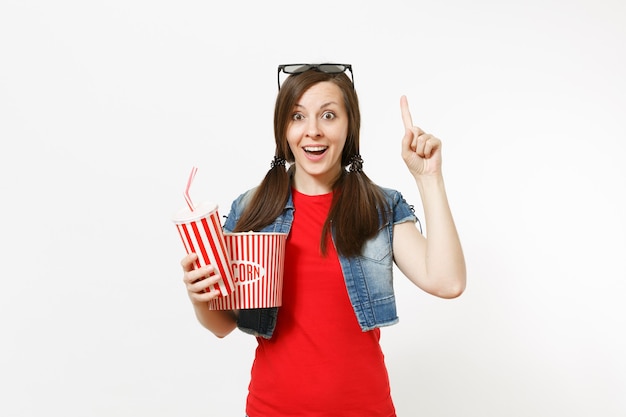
319	353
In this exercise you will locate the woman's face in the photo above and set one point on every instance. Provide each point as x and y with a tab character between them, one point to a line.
316	136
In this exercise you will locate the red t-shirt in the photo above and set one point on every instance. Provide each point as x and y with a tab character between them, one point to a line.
318	362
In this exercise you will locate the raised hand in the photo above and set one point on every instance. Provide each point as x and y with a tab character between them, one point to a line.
421	151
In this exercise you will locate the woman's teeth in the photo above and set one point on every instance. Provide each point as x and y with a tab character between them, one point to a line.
317	150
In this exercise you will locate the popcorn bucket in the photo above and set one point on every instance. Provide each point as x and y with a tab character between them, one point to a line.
257	265
201	232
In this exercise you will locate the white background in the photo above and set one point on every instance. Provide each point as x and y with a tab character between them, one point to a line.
106	106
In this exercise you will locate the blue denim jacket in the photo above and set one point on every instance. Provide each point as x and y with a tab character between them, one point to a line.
368	277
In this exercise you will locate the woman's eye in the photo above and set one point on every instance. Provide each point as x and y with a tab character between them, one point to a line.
328	115
297	116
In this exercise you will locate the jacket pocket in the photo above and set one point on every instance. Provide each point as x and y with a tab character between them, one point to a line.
378	248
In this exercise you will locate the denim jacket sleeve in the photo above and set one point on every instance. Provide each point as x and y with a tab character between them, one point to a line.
369	276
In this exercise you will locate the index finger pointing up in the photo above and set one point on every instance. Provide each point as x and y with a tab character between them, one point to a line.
406	114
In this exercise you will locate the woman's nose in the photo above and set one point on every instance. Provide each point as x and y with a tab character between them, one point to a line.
313	128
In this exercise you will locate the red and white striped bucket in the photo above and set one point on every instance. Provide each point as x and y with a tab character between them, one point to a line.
257	261
201	233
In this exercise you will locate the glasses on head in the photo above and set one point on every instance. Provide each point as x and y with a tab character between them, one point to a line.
293	69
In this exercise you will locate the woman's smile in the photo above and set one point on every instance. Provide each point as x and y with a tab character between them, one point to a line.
315	151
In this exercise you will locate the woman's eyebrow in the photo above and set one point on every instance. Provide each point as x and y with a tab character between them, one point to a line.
321	107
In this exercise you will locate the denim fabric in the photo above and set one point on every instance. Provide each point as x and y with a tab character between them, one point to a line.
369	277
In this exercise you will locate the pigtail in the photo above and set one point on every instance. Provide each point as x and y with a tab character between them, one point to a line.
358	211
269	199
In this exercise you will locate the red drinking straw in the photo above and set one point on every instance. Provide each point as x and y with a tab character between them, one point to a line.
189	181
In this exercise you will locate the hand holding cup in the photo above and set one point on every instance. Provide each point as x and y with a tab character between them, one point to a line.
200	282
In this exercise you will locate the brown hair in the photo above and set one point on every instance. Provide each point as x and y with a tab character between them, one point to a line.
358	206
